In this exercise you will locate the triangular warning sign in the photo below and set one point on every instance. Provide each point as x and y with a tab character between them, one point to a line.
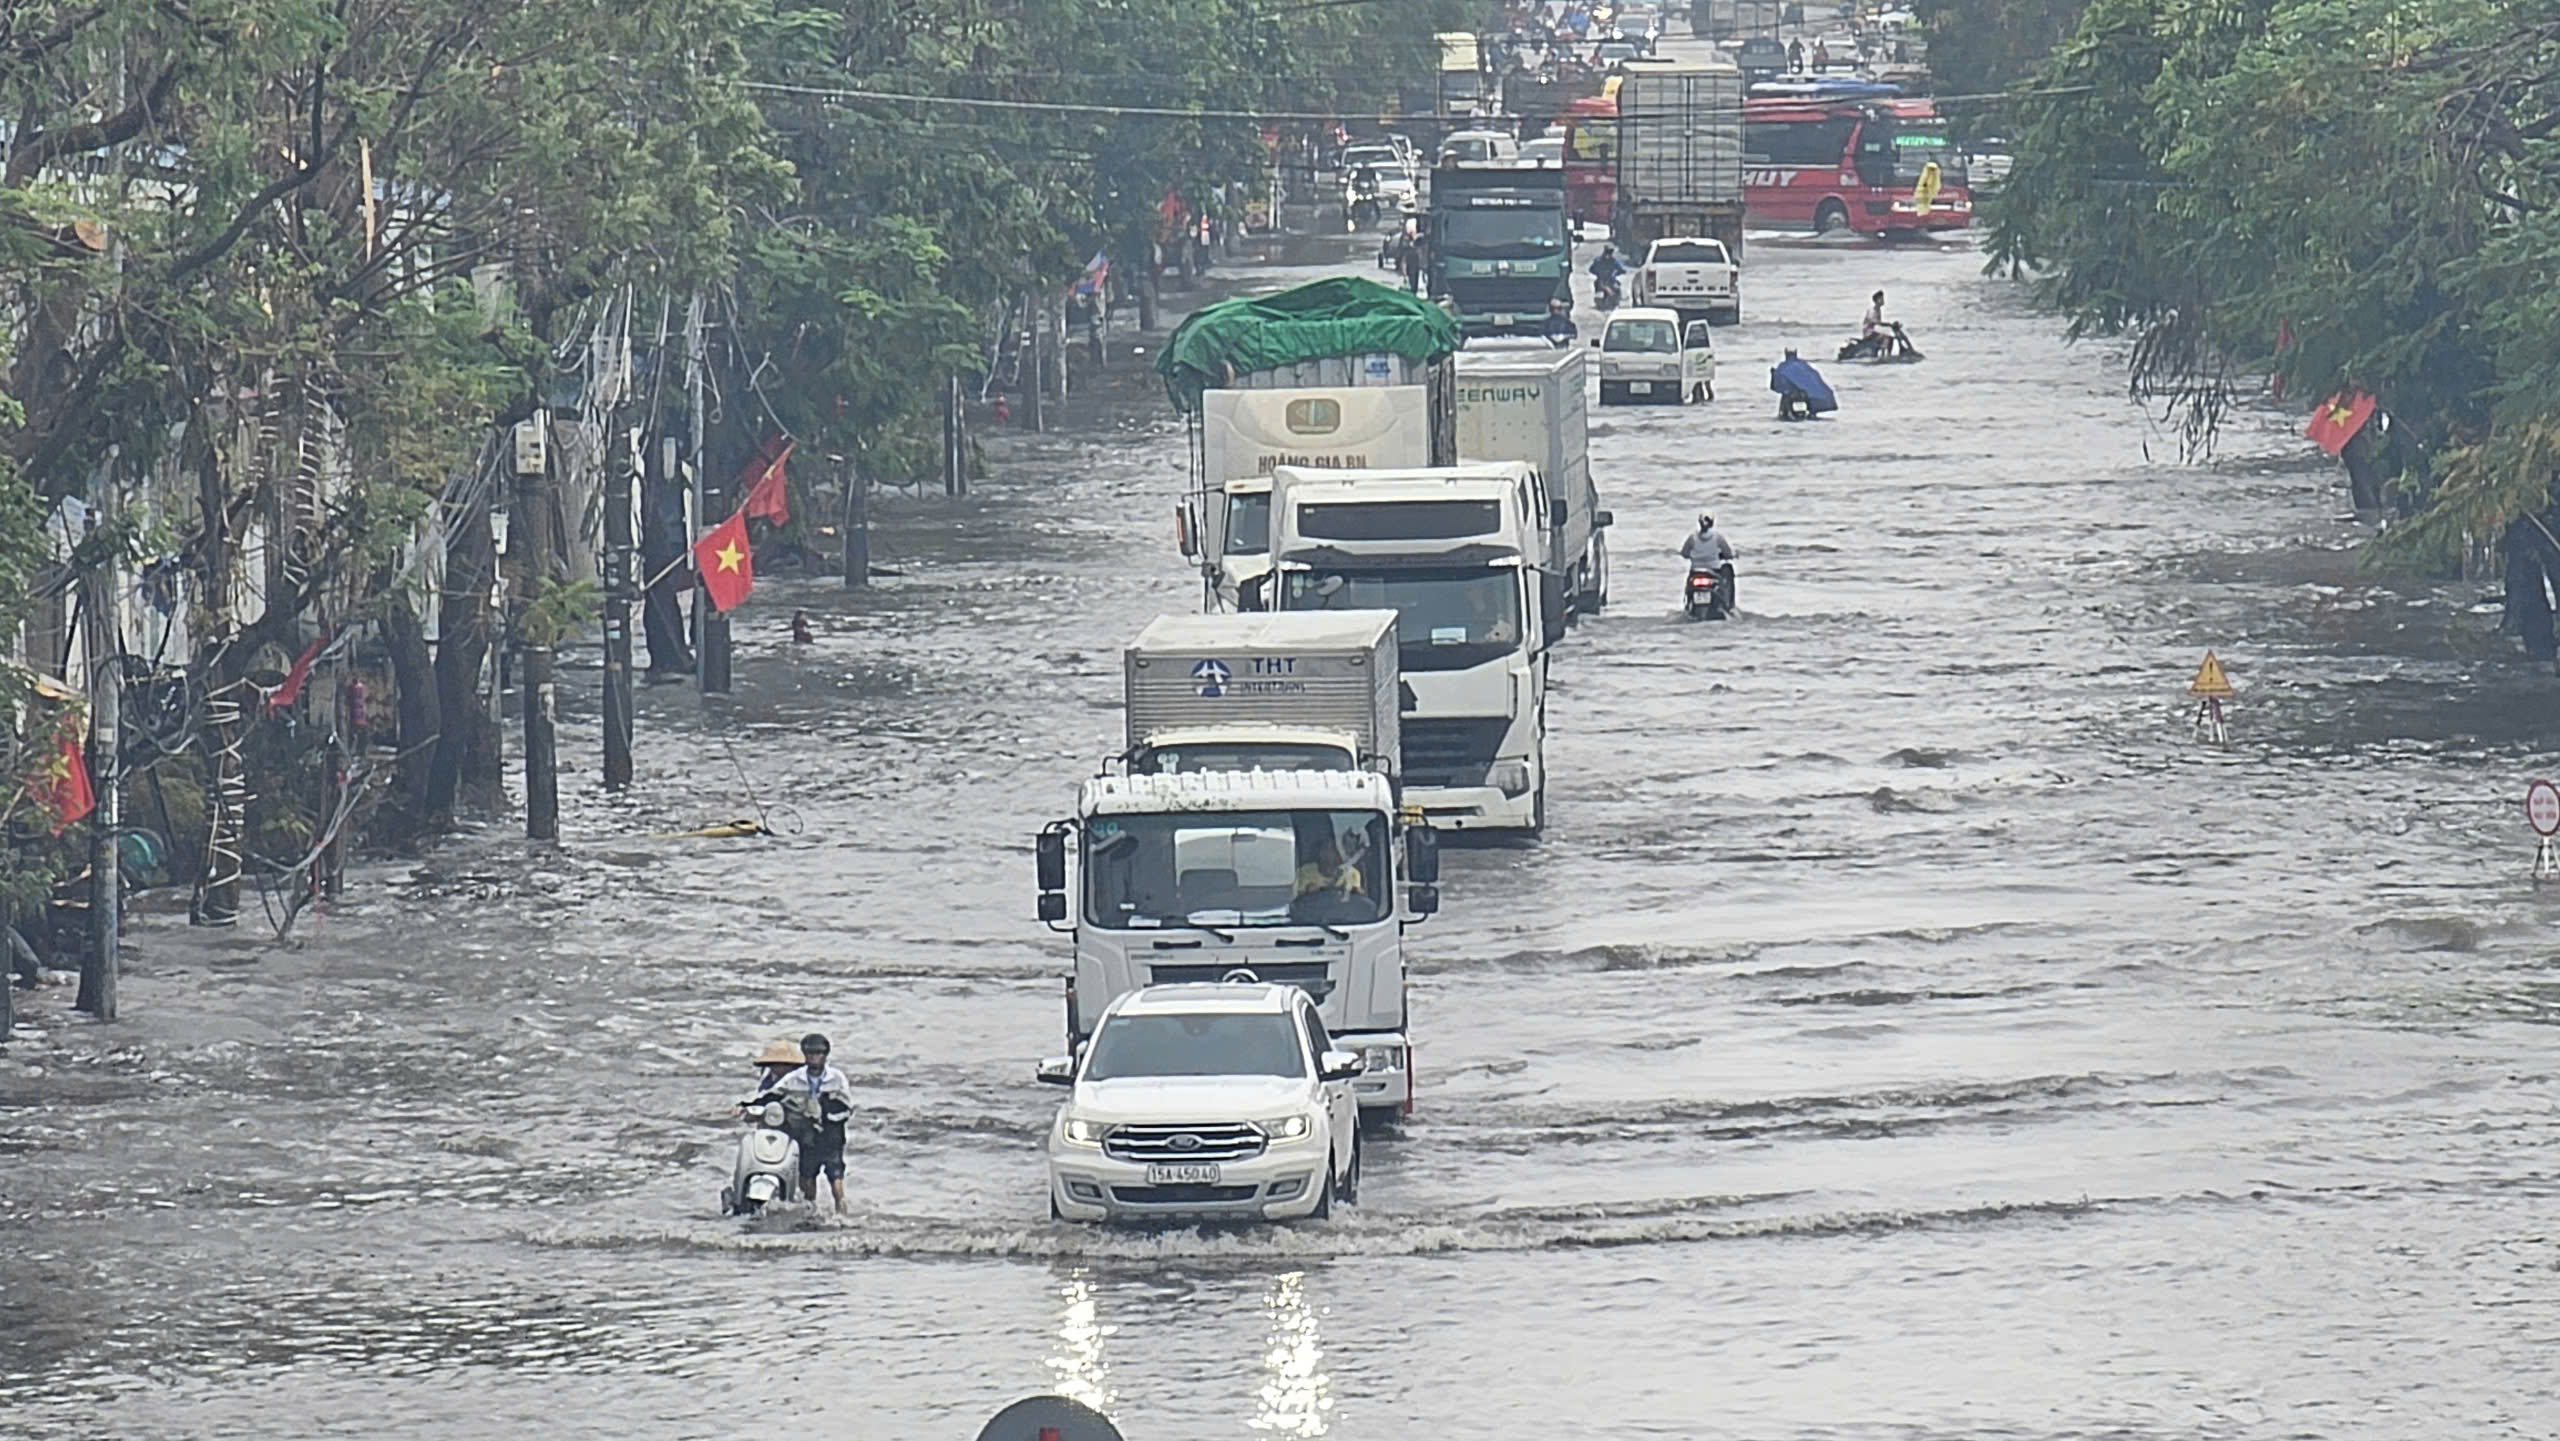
2210	682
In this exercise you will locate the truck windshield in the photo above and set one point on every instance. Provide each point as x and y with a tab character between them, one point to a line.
1204	1043
1523	234
1445	620
1249	524
1237	868
1652	335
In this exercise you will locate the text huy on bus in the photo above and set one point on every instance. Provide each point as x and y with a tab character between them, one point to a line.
1817	163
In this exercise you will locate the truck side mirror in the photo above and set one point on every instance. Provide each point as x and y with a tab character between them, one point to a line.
1051	853
1425	900
1422	856
1053	907
1557	514
1595	342
1182	532
1602	520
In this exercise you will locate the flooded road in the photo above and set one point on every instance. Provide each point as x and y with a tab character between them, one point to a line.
1902	1030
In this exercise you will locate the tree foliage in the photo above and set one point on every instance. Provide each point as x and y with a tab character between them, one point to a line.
2334	193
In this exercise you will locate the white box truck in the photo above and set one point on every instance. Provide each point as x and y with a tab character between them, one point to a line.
1311	691
1246	431
1528	404
1460	555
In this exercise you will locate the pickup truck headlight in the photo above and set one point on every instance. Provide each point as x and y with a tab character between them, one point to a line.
1083	1132
1509	777
1286	1128
1383	1058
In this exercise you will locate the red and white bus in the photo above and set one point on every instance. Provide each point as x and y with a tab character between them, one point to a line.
1591	159
1824	163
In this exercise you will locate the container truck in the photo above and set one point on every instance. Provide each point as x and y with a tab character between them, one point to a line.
1524	404
1342	372
1679	155
1291	691
1461	555
1500	247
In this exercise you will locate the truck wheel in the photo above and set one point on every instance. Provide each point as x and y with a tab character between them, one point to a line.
1599	572
1351	1177
1831	216
1538	813
1054	1213
1324	1192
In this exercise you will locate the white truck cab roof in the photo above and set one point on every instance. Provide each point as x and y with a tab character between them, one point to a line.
1265	629
1206	791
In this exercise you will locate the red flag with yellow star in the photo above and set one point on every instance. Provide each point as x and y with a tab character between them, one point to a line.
2338	418
727	567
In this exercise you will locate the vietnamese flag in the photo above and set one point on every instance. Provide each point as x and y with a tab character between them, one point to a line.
727	567
769	495
72	796
2337	419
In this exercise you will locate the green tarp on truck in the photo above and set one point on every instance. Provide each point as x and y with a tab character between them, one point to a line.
1344	315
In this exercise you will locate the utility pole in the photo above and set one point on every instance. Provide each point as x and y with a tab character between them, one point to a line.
105	652
528	554
619	480
1035	390
857	524
711	629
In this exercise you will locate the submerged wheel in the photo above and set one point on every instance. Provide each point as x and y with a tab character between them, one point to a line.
1351	1177
1324	1193
1830	216
1054	1213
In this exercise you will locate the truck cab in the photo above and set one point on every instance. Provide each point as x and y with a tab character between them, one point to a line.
1302	878
1461	554
1247	430
1500	248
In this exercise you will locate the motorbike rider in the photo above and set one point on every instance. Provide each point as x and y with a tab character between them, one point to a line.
1872	328
1709	550
1605	272
820	1098
777	1060
1560	328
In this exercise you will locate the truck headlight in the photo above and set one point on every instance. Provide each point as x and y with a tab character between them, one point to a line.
1083	1132
1509	777
1286	1128
1383	1058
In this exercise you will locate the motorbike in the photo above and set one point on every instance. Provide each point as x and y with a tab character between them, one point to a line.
1604	293
1709	594
1890	346
768	1162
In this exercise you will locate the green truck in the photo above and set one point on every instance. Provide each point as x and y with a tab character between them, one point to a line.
1500	248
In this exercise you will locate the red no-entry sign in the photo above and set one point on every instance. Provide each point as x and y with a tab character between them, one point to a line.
2542	808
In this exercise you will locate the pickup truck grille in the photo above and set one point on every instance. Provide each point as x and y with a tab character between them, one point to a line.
1451	752
1177	1144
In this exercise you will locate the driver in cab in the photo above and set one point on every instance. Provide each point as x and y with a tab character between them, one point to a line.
1329	873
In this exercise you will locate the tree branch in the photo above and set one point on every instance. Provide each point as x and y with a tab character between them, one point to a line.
214	249
34	152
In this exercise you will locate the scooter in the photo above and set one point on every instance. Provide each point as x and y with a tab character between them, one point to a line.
1604	294
1709	594
768	1163
1892	349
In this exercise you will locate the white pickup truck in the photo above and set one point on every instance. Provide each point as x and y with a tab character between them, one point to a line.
1692	274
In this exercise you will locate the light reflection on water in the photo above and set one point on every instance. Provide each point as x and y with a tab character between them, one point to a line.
1083	1373
1296	1396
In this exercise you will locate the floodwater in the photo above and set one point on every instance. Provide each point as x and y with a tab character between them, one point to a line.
1904	1029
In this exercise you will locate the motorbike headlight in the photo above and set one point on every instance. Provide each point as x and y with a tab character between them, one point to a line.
1083	1132
772	1113
1286	1128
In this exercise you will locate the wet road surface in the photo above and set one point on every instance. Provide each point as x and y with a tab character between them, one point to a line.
1903	1030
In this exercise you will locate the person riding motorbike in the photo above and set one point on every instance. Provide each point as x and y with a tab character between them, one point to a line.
1560	329
1604	277
1869	327
1708	549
